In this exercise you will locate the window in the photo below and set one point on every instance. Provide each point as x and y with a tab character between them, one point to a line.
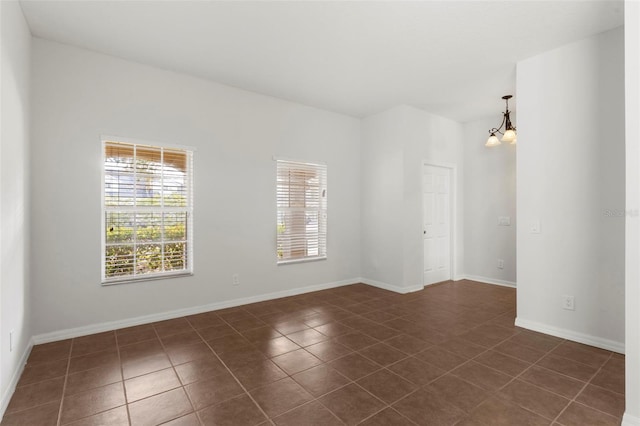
302	211
146	211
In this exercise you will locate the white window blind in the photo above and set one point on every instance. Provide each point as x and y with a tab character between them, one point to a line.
302	211
147	212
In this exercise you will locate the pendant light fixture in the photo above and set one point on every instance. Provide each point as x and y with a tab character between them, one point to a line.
509	135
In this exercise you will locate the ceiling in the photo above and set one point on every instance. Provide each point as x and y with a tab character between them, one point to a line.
452	58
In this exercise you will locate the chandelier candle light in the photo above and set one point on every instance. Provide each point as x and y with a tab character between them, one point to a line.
509	134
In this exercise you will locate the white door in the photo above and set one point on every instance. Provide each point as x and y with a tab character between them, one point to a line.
436	231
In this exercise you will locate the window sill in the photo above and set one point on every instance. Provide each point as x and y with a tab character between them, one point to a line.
127	280
305	260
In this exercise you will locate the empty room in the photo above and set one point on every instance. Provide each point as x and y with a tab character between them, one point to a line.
319	213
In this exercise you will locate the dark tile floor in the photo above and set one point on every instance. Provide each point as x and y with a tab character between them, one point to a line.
447	355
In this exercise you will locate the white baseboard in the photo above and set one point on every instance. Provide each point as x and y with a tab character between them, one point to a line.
145	319
629	420
8	393
487	280
575	336
391	287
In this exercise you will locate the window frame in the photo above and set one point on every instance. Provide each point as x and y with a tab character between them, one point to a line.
188	270
323	212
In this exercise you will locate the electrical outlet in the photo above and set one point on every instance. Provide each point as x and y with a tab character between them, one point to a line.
235	279
11	341
568	303
500	264
535	227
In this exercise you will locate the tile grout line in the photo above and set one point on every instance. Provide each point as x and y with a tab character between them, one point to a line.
487	350
270	359
230	372
389	406
544	389
173	367
419	387
400	304
586	383
527	369
409	356
489	391
424	387
127	403
124	388
317	399
582	390
493	347
97	387
449	371
383	367
61	376
64	386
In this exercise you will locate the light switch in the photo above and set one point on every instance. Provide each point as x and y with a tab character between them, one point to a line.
504	221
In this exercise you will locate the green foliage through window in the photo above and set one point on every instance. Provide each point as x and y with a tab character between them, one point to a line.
147	210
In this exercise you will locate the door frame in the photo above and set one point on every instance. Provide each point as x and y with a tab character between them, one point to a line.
453	212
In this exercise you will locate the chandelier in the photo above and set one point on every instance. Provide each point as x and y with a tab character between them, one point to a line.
509	134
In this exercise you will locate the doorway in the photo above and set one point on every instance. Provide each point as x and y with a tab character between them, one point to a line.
437	214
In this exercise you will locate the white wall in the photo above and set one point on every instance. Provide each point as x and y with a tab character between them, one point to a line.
570	177
14	227
489	192
79	95
394	145
382	197
428	137
632	288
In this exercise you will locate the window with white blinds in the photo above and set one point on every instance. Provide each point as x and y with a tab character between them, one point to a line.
146	212
302	211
